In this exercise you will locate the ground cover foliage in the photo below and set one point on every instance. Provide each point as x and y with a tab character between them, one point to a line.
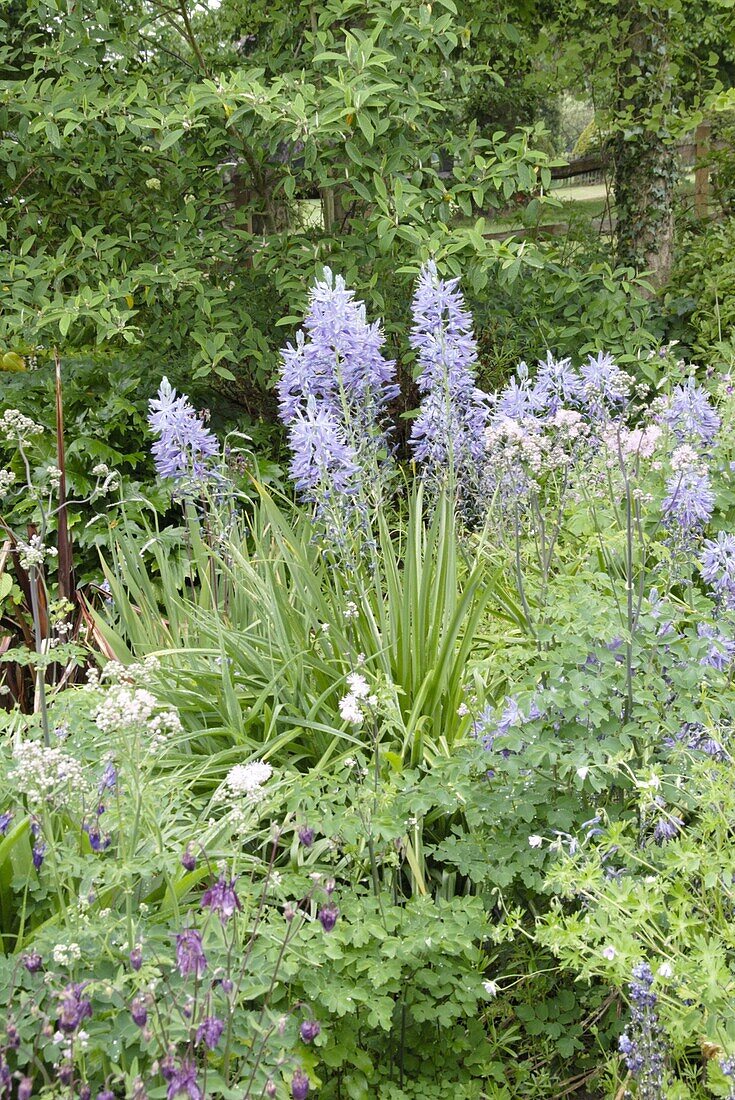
414	784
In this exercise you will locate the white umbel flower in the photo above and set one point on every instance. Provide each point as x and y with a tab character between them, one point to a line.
247	779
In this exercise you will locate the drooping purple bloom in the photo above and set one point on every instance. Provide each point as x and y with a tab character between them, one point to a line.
718	568
5	819
337	360
667	828
690	416
299	1085
210	1031
65	1073
190	957
689	502
188	859
184	448
221	898
25	1088
38	854
328	916
139	1011
306	836
108	781
309	1030
449	429
135	958
324	461
32	961
643	1044
97	841
184	1082
557	386
73	1008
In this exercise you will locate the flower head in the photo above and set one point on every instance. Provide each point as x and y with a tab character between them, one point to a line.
248	779
184	448
210	1031
183	1081
690	416
718	568
190	957
299	1085
221	898
449	429
689	503
337	359
73	1008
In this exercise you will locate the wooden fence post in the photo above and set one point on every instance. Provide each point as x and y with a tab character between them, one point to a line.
701	170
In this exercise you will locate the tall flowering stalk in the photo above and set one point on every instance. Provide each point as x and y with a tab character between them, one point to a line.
185	449
447	436
337	359
643	1044
334	389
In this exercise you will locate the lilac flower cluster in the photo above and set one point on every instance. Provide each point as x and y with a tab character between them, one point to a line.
690	500
689	415
333	390
643	1044
718	568
448	433
488	726
185	449
694	736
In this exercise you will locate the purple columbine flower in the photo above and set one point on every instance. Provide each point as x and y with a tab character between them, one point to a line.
5	819
309	1030
667	828
108	781
184	448
97	842
210	1031
38	854
718	568
184	1082
689	503
190	957
135	958
449	430
65	1073
139	1011
337	360
299	1085
306	836
643	1044
73	1008
328	916
188	859
690	416
32	961
25	1088
221	898
85	1093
